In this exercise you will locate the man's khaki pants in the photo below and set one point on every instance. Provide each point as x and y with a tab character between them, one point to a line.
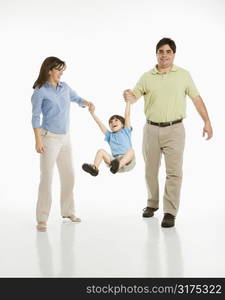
169	141
58	150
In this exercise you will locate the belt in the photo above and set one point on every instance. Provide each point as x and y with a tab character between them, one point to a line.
164	124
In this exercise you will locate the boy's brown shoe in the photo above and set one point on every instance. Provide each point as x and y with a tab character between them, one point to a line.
114	166
91	169
149	212
168	220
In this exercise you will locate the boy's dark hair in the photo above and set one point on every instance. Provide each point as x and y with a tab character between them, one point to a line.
166	41
122	120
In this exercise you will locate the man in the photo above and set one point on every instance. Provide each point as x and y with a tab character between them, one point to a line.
164	89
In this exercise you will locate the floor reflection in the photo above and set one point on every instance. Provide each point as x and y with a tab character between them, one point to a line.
67	252
64	250
173	253
152	259
163	251
44	251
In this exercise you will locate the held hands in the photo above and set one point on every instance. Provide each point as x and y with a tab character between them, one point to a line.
207	129
129	96
91	108
90	105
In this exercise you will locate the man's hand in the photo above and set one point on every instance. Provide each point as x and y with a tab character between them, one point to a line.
207	129
129	96
201	109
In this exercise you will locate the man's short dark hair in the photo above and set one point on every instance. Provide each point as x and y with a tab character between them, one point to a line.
166	41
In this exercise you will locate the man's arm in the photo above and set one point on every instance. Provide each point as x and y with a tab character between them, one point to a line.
100	124
127	114
201	109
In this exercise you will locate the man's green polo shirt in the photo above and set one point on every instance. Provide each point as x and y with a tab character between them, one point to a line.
165	93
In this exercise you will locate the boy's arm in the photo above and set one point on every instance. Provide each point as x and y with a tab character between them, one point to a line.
127	114
100	124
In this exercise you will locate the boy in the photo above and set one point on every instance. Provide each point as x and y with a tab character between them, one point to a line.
119	139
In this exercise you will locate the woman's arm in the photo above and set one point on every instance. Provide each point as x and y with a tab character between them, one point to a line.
97	120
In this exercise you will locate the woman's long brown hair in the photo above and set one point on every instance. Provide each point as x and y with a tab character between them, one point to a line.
48	64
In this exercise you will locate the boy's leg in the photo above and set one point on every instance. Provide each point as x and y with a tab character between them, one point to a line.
102	155
127	158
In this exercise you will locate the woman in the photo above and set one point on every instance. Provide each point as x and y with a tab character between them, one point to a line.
52	98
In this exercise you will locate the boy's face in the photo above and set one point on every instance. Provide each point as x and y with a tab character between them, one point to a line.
115	125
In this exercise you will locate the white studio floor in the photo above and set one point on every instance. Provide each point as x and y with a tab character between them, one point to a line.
123	246
113	240
107	46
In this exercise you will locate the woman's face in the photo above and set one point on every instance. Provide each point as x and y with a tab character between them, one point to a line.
55	74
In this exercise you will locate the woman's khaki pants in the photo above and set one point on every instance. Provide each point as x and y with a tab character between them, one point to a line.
169	141
57	149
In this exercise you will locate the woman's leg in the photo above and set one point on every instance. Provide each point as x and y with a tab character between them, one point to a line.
66	174
47	162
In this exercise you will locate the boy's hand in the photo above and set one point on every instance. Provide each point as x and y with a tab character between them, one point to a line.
91	107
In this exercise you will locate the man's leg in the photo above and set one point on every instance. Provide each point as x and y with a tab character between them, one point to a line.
173	151
152	157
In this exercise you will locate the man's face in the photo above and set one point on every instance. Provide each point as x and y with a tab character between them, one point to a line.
165	56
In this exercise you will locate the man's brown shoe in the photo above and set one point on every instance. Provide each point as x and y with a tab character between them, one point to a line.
148	212
168	220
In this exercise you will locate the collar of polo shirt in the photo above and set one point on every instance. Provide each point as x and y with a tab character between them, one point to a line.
155	70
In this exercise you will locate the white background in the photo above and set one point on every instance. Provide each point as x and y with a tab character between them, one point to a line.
107	46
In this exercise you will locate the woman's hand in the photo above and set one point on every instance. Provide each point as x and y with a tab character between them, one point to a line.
86	103
91	107
39	147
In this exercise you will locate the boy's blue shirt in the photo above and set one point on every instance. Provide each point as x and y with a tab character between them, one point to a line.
119	141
